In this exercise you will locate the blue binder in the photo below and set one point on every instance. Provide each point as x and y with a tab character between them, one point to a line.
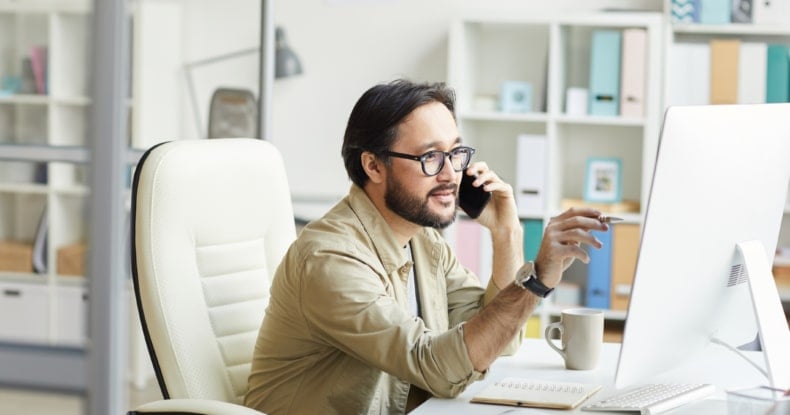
685	11
777	76
715	11
604	97
599	272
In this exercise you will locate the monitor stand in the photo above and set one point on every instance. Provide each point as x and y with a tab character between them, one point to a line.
773	330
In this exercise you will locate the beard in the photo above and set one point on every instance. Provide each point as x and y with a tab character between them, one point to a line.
413	208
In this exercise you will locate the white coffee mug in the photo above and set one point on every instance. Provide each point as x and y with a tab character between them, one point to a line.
581	334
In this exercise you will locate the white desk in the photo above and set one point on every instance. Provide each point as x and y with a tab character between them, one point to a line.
535	360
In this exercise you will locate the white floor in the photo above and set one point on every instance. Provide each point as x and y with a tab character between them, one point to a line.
37	402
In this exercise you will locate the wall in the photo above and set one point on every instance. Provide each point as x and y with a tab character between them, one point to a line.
345	46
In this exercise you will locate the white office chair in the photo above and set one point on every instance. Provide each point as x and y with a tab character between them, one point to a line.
211	220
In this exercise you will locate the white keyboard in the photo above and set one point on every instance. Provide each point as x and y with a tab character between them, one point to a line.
652	399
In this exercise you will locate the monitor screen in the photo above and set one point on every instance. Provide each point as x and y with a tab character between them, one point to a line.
720	179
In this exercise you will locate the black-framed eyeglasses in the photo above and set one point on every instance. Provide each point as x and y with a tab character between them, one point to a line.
433	161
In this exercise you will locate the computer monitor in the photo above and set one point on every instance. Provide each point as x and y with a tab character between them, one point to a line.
721	179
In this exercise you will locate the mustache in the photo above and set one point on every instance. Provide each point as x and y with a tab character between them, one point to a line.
443	188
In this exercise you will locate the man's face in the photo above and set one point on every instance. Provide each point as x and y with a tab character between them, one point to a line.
424	200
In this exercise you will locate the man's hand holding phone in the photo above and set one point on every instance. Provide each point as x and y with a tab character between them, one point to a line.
491	202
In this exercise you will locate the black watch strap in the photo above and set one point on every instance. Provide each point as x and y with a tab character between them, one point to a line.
527	279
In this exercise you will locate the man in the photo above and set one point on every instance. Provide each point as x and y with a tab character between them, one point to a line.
370	310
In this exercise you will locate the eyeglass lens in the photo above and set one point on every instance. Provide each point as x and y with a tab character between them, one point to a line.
433	161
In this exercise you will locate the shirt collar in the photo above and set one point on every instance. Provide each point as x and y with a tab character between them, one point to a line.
389	250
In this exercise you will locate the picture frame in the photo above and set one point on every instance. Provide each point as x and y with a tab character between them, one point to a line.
515	97
603	180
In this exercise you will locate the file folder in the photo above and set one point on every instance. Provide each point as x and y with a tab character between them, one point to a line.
689	74
604	98
530	174
533	235
751	73
599	272
625	248
724	71
685	11
777	82
634	65
715	11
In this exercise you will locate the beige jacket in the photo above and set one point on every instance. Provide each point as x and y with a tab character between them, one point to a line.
338	337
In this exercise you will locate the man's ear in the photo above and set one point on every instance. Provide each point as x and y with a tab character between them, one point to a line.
373	166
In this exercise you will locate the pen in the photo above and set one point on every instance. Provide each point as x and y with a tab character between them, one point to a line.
609	219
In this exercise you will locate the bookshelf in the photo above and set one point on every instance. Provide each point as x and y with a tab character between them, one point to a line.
552	53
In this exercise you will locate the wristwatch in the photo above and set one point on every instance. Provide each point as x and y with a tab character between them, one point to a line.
527	279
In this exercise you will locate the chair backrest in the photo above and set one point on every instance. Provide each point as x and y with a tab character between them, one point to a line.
211	220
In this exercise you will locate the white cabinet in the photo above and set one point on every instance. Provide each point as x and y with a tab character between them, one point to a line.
552	54
44	104
24	312
45	48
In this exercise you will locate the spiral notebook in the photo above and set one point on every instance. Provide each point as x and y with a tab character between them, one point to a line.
536	393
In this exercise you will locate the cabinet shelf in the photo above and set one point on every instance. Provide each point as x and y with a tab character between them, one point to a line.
536	117
608	121
23	188
23	277
732	29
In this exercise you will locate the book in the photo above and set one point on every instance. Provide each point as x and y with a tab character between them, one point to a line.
38	60
40	244
536	393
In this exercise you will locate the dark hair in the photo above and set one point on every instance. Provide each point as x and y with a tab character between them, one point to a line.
373	123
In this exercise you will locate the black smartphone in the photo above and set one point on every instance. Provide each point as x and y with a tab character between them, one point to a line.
472	199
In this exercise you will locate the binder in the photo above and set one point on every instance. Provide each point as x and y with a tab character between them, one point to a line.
751	73
531	153
625	248
689	74
715	11
724	71
467	245
777	84
599	272
604	97
771	12
634	66
685	11
533	235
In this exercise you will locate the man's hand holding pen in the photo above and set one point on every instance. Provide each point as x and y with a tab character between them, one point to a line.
563	238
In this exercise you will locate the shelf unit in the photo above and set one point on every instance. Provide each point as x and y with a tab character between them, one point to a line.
552	53
700	34
44	156
48	182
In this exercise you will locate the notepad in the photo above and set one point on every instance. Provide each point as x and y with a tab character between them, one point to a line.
536	393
